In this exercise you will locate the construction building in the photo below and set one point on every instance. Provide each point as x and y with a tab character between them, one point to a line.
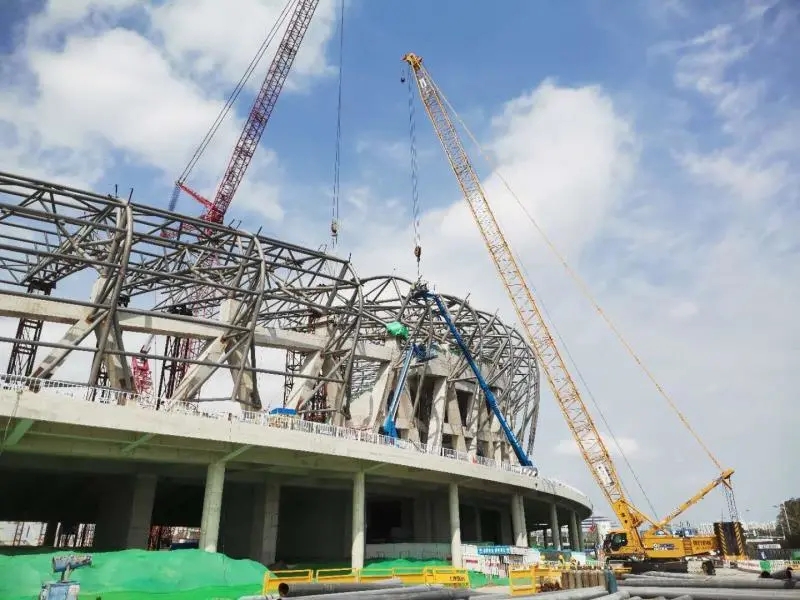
270	438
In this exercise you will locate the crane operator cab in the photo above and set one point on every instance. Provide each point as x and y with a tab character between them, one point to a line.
615	541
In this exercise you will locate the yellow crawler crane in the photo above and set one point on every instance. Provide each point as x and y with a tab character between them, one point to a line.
655	547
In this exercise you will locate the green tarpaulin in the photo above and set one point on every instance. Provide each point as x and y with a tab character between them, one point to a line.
397	329
176	575
137	575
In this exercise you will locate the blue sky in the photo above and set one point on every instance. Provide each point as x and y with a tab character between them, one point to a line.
656	143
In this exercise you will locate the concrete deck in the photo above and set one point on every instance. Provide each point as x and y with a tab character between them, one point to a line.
59	422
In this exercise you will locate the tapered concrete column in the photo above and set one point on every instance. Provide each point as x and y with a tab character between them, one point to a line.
455	527
264	540
574	544
518	521
212	507
555	527
144	496
359	498
50	534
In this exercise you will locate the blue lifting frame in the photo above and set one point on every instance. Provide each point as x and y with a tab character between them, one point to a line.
522	456
412	351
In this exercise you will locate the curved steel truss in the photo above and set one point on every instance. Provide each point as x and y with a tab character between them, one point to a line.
108	270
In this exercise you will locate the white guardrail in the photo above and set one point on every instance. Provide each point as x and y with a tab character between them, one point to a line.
106	395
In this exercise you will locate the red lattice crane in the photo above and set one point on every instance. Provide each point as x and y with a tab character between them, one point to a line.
214	211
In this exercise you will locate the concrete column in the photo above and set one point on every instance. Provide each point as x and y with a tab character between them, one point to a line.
455	527
518	521
50	534
478	528
264	539
359	499
580	536
212	507
506	527
436	422
124	513
573	531
555	527
144	495
423	527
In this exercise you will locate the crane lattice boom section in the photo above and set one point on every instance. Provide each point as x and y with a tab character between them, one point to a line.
561	383
262	109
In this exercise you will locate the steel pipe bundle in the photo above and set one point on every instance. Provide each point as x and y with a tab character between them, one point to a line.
711	582
593	593
291	590
708	593
419	592
670	575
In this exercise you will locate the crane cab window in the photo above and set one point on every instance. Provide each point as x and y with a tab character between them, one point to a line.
617	540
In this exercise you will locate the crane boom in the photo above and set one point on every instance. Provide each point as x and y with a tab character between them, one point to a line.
654	544
214	211
262	109
591	445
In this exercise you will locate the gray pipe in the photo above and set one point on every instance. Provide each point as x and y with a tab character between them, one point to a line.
357	594
317	589
673	575
431	593
621	595
781	574
684	597
714	582
715	594
591	593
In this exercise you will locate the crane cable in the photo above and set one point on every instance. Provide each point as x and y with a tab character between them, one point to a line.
559	336
412	134
230	101
584	288
337	159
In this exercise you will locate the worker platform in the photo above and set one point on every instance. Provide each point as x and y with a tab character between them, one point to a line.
301	356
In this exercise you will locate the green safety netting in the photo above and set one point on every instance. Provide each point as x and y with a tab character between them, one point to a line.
397	329
138	575
178	575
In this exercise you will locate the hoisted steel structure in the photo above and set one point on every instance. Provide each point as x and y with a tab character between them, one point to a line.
264	293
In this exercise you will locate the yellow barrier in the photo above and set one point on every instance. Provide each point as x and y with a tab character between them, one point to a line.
537	578
410	575
522	582
273	579
448	576
342	575
376	575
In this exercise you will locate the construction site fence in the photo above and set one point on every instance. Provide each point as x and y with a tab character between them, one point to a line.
447	576
548	576
756	566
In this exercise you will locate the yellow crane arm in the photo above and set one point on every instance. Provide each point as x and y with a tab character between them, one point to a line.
724	479
591	445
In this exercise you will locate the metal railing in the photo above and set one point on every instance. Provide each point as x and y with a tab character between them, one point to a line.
112	396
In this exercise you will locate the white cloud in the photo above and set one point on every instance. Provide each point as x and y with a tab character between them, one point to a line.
695	260
216	40
83	86
703	287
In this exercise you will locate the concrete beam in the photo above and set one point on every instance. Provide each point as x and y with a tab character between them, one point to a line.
133	445
20	429
53	310
89	429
